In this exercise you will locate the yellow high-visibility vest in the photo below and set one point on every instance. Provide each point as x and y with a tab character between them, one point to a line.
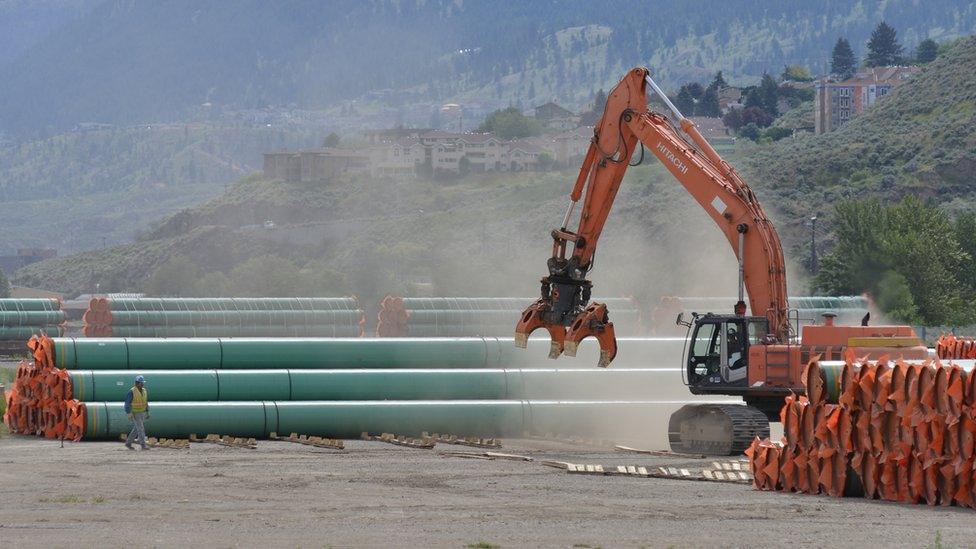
140	399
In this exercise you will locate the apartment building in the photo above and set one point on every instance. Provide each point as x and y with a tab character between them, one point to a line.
836	102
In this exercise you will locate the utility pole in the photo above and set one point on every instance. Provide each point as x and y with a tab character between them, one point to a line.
813	244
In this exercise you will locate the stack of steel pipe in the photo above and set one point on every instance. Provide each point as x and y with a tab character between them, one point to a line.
808	309
328	387
22	318
224	317
899	431
477	316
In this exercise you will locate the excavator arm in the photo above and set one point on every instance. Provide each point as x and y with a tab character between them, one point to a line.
564	309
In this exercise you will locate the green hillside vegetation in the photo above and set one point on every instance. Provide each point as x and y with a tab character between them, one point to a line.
484	235
919	141
73	190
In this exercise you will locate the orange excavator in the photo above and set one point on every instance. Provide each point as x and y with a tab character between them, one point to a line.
757	356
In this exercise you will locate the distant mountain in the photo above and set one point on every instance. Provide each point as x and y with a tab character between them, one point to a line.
25	23
114	182
131	61
484	233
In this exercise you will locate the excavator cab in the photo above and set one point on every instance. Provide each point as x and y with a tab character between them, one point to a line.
717	351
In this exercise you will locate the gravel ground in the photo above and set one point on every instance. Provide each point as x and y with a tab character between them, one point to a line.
374	494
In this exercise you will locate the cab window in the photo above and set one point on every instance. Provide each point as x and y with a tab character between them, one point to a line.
705	340
757	330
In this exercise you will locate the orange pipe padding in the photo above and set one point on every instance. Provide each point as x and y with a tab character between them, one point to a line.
899	432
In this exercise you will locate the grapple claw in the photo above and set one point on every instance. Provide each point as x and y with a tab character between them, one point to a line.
531	320
593	321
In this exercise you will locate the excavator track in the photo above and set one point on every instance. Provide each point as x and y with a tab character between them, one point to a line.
716	429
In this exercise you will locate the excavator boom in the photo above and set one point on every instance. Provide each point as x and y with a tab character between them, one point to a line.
564	308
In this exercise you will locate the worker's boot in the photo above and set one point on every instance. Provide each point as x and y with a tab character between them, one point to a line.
129	446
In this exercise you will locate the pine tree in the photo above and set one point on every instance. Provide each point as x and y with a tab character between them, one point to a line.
684	101
843	63
718	82
883	47
708	106
926	51
770	94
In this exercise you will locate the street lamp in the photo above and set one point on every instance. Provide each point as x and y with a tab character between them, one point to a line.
813	244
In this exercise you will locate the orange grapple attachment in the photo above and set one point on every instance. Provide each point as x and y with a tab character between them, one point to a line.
531	320
593	321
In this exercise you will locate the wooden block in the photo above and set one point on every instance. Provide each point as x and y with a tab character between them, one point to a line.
642	471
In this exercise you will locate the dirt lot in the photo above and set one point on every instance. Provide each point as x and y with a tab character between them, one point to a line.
375	494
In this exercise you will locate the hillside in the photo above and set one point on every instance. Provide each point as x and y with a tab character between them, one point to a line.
921	141
486	233
129	62
114	182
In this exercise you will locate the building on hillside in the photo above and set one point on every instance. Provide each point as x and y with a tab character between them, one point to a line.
314	164
566	147
397	159
523	156
376	137
24	257
836	102
729	98
554	117
24	292
714	130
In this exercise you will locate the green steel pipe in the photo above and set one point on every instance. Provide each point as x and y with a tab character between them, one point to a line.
233	304
23	333
490	316
309	330
328	353
496	303
343	419
379	384
233	318
31	318
15	304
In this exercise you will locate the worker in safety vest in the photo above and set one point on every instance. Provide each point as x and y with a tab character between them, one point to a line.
137	407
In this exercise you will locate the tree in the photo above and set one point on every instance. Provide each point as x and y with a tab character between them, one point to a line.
754	98
757	116
769	94
883	248
4	285
733	120
718	82
590	117
777	133
684	101
331	141
695	89
546	161
926	51
796	73
510	123
750	131
708	106
843	63
883	47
